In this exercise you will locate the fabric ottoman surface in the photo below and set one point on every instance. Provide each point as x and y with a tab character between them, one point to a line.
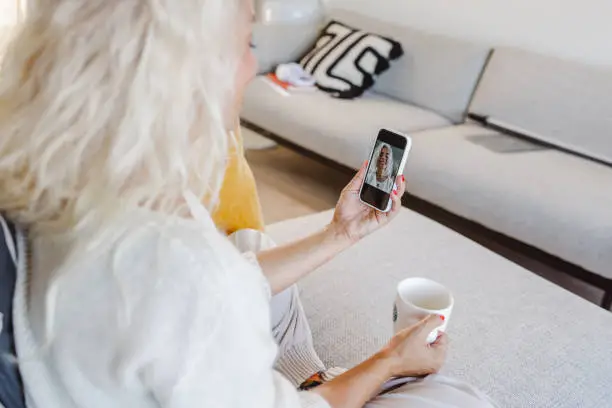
519	338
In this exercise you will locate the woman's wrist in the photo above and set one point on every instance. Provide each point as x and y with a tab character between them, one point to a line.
338	234
357	386
386	363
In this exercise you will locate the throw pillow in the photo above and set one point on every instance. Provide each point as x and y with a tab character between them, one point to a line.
345	60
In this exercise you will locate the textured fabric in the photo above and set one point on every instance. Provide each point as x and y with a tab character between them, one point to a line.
436	72
345	61
552	200
239	206
520	339
435	391
561	102
164	312
341	130
11	389
297	360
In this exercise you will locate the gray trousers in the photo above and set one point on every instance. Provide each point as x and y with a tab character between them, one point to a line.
297	360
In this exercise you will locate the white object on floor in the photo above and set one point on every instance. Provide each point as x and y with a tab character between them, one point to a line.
254	141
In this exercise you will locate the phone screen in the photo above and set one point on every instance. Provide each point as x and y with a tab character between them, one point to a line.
383	169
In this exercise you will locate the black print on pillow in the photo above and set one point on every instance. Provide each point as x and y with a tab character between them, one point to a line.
345	61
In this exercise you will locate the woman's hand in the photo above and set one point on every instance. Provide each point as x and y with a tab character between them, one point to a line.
354	220
408	353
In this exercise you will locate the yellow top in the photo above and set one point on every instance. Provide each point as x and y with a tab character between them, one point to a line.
239	206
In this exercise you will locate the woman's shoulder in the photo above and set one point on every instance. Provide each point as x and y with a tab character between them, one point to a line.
142	243
163	292
165	239
154	262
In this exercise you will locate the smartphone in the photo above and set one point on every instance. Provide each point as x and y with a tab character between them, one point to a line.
387	161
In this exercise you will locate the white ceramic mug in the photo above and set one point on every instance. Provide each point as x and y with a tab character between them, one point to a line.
416	299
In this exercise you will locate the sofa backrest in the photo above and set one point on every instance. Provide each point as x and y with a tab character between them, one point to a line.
282	43
436	72
567	104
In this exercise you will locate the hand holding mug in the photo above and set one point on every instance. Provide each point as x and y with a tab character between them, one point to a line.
410	354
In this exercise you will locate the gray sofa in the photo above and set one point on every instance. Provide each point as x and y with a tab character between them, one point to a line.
532	163
558	201
436	94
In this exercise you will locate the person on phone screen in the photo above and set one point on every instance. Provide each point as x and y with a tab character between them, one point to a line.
381	174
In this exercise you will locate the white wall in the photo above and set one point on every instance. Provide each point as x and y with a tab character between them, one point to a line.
575	29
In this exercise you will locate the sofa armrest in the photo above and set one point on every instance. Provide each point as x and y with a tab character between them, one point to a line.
282	43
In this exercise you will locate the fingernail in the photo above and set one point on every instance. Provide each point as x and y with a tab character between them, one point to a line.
403	178
442	318
395	192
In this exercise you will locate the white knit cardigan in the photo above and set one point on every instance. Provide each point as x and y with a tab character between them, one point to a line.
163	313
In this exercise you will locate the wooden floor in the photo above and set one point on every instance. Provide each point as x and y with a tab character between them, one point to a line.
291	185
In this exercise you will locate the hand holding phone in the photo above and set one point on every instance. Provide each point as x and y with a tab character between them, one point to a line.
387	161
351	220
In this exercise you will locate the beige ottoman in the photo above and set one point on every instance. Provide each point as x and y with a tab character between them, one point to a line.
517	337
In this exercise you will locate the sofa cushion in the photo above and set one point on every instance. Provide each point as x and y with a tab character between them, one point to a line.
345	61
519	338
564	103
549	199
341	130
436	72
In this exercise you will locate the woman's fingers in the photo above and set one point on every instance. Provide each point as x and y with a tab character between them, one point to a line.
441	341
422	324
429	324
357	181
396	196
396	204
401	185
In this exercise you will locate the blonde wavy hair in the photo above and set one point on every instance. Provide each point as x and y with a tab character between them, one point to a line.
112	103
